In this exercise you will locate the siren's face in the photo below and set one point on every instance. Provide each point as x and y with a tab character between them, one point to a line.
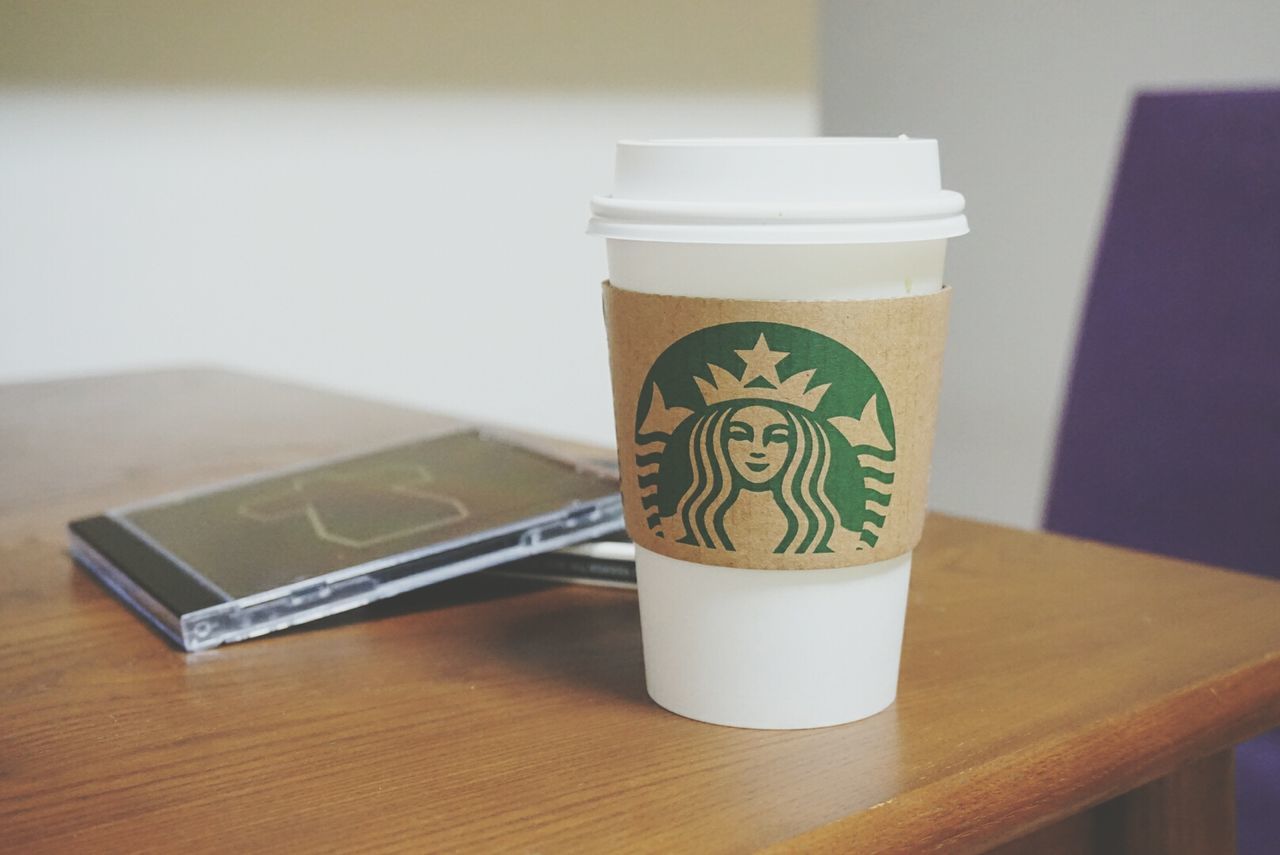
759	442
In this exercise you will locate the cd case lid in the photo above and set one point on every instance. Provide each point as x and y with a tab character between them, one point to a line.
245	558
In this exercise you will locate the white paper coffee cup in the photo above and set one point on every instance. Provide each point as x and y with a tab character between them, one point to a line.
823	219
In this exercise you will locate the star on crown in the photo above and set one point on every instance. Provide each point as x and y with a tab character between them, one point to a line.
762	363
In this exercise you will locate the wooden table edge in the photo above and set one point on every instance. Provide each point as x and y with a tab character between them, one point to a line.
1058	777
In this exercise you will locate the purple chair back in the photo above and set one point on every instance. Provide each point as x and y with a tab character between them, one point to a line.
1170	438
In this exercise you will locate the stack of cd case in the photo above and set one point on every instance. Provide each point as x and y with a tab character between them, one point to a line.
245	558
607	563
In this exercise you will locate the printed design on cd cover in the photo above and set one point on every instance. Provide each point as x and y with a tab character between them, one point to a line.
362	508
764	432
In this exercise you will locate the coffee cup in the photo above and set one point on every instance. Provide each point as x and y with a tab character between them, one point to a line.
776	316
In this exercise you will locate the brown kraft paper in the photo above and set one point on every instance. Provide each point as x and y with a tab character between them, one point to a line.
775	435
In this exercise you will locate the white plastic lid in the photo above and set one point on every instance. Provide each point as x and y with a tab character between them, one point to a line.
785	190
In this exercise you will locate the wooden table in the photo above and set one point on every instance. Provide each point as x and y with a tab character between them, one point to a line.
1057	695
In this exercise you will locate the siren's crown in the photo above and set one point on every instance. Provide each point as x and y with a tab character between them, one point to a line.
761	362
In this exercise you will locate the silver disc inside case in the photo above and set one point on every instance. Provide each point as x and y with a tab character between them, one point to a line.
249	557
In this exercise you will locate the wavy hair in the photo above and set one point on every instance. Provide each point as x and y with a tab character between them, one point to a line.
799	489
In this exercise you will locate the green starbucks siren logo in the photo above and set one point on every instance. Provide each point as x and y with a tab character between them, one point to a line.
764	432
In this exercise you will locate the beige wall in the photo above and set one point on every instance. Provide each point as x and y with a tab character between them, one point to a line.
1028	99
707	45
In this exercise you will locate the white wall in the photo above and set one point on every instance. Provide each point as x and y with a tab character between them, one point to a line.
421	249
382	198
1028	101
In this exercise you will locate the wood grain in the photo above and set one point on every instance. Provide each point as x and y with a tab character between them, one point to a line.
1189	812
1042	676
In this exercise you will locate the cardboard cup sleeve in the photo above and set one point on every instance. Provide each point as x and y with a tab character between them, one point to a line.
775	435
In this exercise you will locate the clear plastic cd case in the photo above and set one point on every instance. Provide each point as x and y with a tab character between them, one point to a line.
246	558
